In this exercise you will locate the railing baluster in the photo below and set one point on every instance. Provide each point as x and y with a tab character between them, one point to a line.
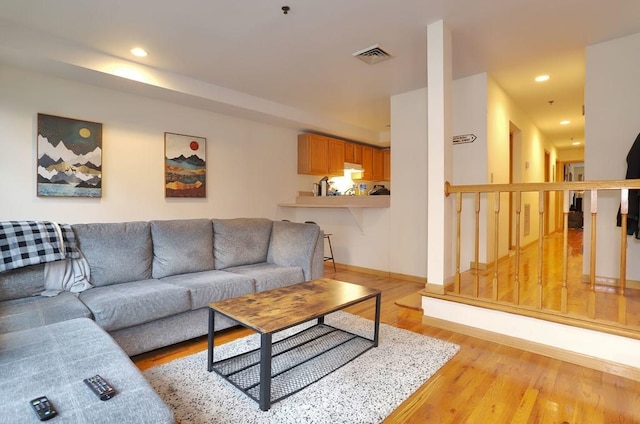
516	282
622	300
565	252
459	220
592	262
541	212
496	251
477	247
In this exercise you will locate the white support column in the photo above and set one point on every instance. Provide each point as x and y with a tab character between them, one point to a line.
439	161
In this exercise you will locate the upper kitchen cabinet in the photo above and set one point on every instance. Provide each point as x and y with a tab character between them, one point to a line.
336	156
313	154
386	165
353	153
320	155
367	163
373	162
378	165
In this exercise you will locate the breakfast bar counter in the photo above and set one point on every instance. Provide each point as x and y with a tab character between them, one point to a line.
383	201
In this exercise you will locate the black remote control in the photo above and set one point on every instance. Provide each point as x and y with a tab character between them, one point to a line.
100	387
43	408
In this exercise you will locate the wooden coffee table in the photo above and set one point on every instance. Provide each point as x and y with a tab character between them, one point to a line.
279	369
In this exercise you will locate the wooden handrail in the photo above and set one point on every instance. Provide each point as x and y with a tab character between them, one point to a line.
526	187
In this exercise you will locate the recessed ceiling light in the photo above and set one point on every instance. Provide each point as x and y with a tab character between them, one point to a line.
139	52
575	143
565	122
542	78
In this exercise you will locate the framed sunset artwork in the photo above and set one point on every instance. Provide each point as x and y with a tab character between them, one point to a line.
185	168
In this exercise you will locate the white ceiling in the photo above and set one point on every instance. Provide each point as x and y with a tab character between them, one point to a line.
298	68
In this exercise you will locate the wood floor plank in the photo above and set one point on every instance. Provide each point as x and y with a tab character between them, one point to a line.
527	402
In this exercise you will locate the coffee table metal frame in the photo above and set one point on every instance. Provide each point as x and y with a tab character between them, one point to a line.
265	353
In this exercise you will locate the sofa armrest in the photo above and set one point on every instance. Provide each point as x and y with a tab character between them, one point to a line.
296	244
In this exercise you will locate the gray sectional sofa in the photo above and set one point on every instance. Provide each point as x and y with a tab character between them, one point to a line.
151	284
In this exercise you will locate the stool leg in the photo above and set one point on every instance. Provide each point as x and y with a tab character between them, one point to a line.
331	251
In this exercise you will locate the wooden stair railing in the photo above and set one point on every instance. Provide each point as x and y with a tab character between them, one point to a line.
590	319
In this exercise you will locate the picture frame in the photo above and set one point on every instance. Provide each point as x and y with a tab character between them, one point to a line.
69	157
185	166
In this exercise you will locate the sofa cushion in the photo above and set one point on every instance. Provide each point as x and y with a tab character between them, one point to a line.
116	252
21	282
181	246
270	276
53	361
240	241
295	244
126	304
36	311
211	286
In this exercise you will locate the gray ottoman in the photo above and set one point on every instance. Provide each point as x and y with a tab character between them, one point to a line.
53	360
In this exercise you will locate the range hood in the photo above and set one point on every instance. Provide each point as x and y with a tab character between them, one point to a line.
353	167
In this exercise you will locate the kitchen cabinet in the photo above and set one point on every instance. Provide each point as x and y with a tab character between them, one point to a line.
320	155
378	163
313	154
357	154
386	165
373	160
367	163
336	156
353	153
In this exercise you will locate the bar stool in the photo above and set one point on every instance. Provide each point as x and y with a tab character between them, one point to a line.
327	236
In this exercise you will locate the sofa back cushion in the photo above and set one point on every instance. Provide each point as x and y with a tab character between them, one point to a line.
296	244
240	241
181	246
21	282
116	252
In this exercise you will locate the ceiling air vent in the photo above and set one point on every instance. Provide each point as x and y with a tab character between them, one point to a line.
372	55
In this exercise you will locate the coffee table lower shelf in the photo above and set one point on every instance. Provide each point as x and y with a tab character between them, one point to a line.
297	361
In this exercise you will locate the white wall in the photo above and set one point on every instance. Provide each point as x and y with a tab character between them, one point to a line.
482	108
242	179
409	139
409	175
612	90
470	160
251	167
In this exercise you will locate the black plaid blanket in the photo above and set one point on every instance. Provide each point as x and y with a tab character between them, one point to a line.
24	243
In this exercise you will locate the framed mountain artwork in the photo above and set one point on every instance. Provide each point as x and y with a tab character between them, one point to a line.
185	168
69	157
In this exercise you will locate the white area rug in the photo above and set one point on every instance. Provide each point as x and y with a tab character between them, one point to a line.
364	391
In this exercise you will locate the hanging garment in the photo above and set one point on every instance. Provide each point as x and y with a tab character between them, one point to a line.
633	172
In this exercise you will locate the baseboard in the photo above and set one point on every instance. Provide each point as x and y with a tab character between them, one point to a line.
396	275
481	265
610	282
363	270
406	277
598	364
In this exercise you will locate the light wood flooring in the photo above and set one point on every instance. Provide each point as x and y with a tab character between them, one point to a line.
484	383
606	296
